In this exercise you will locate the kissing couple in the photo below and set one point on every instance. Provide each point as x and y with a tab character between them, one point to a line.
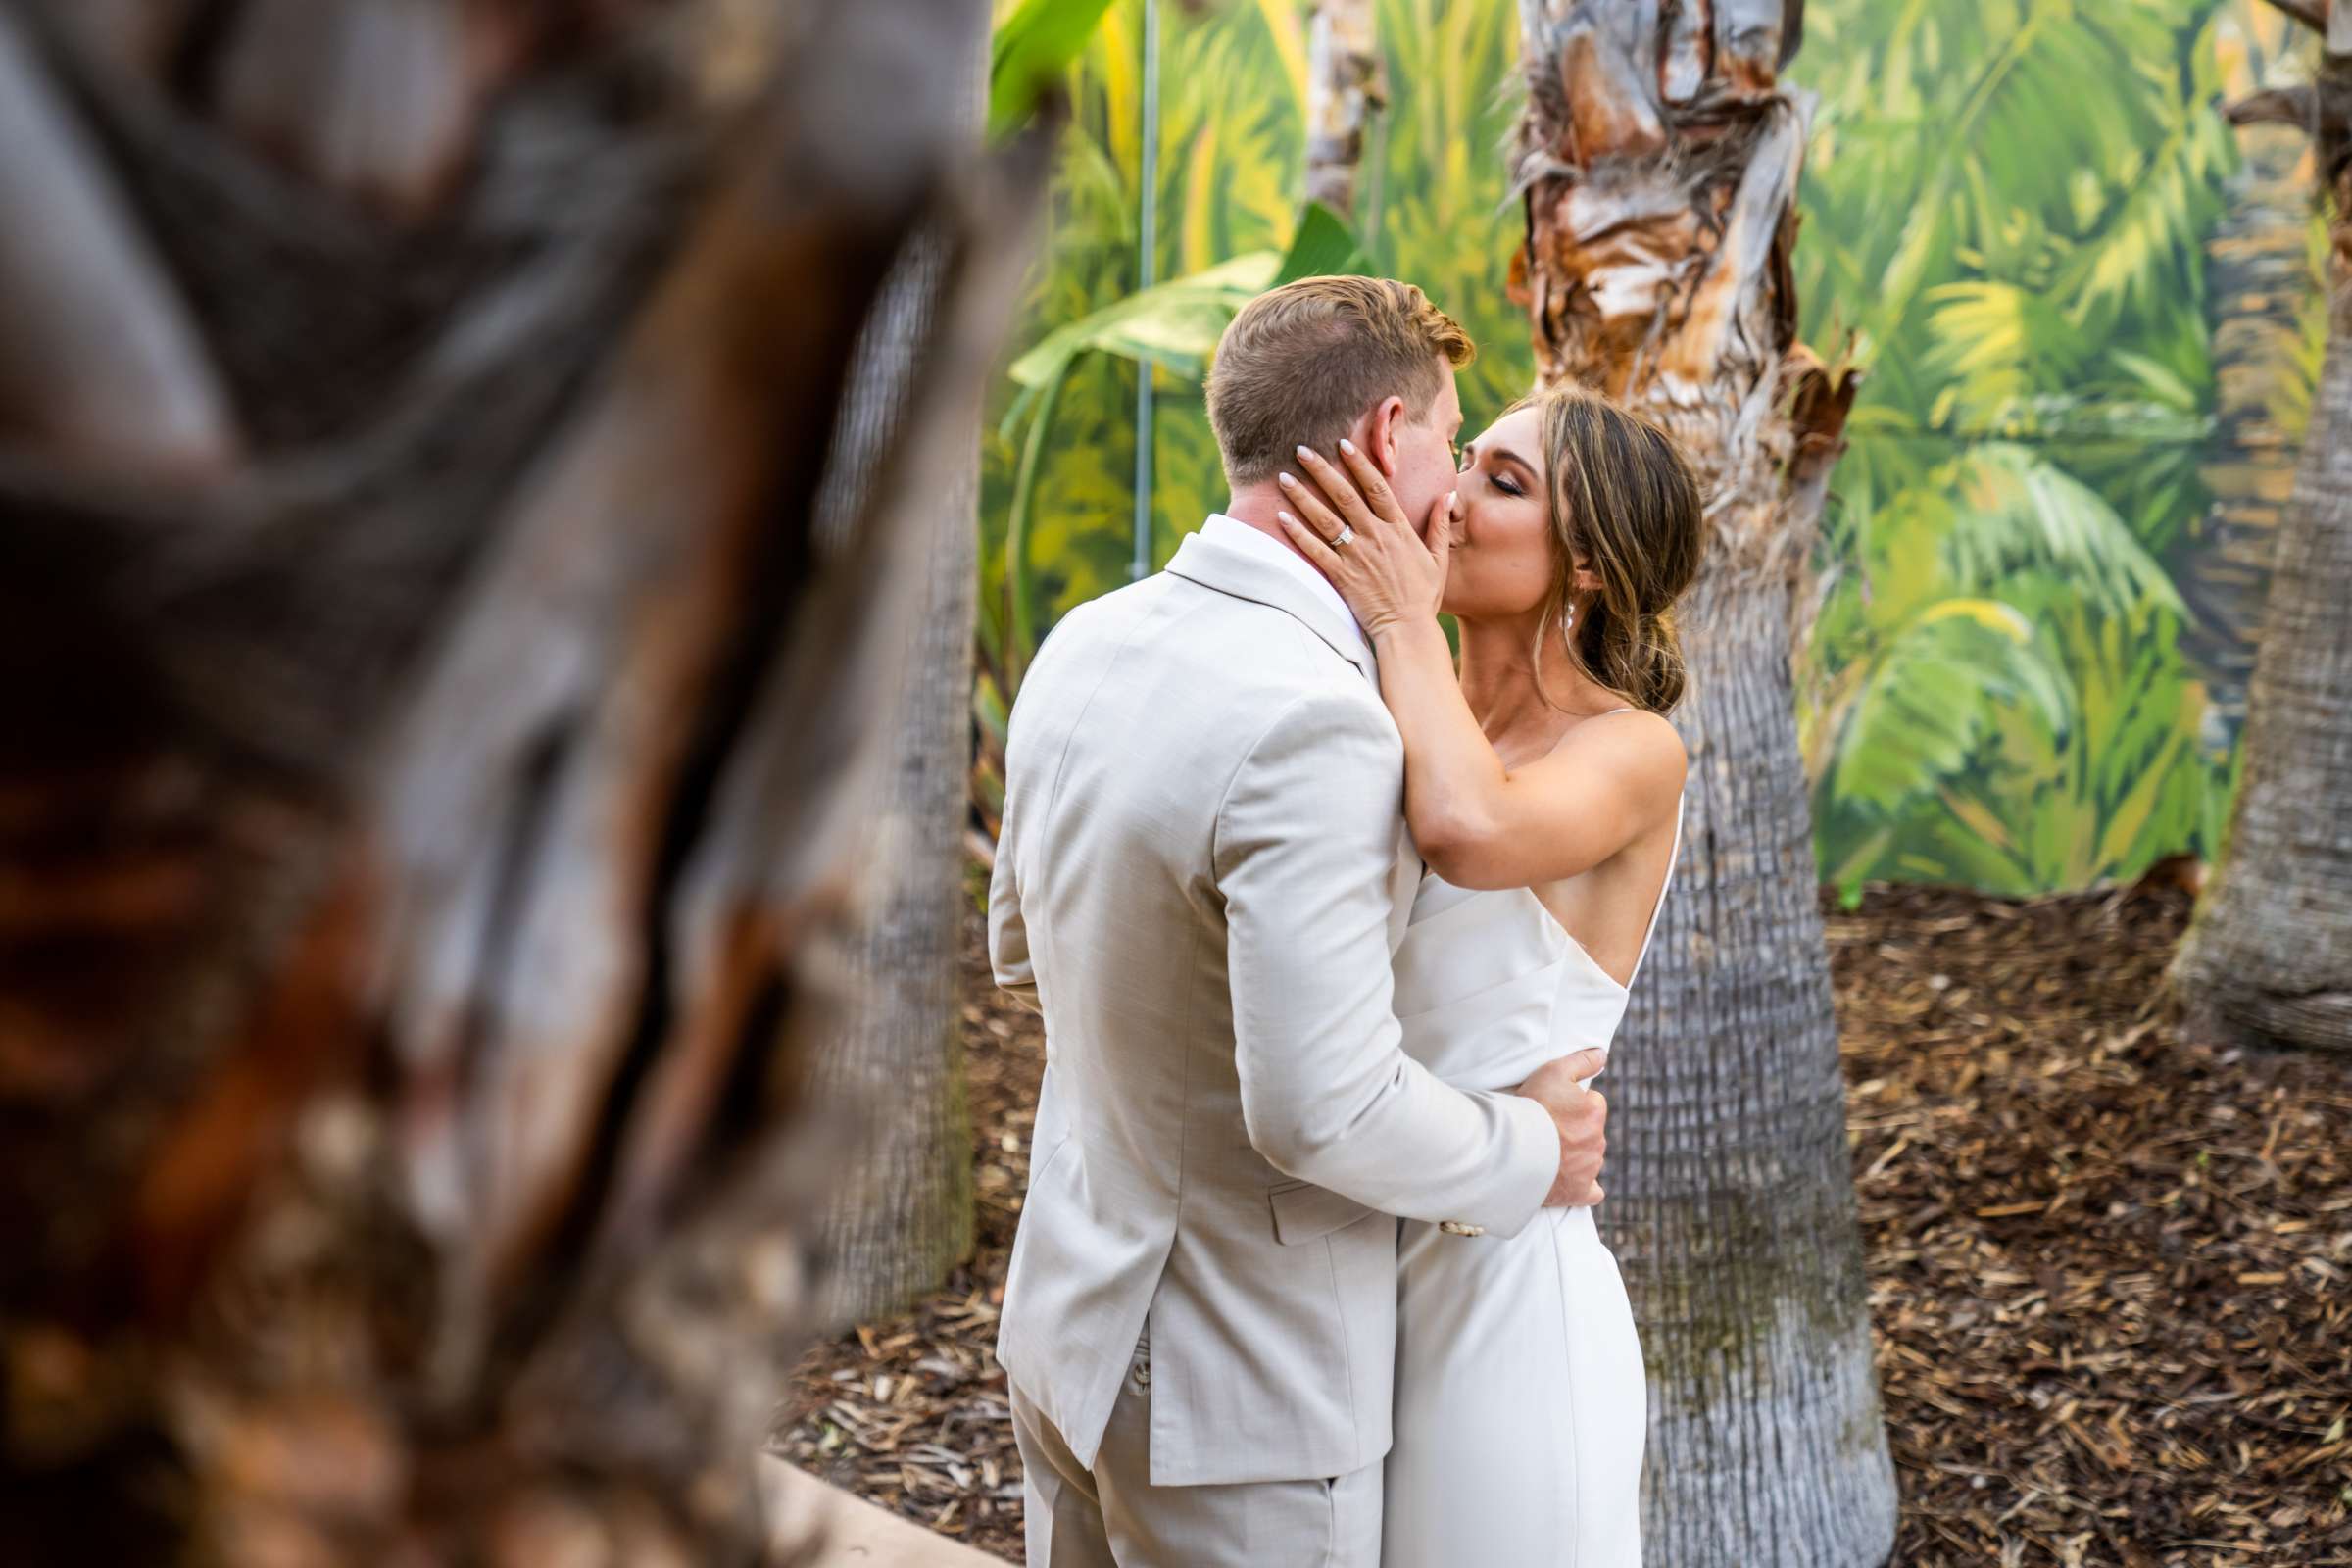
1331	939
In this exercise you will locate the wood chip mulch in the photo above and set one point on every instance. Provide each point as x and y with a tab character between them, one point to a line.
2108	1265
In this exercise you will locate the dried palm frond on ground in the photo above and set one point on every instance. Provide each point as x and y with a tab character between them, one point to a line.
2107	1264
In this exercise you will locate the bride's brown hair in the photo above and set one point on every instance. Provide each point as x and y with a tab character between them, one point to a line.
1625	504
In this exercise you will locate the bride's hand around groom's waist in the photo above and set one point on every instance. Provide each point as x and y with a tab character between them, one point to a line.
1582	1116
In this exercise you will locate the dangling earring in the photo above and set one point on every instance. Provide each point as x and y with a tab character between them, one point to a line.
1567	621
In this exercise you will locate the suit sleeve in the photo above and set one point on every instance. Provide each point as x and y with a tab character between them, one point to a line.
1009	936
1007	932
1305	838
1009	957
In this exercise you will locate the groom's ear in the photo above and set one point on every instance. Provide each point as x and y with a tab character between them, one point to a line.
1380	435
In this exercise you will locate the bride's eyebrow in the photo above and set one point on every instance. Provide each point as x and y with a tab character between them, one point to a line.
1502	455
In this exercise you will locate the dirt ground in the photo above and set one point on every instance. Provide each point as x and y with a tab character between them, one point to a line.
2108	1265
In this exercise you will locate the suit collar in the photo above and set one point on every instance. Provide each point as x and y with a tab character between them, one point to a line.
1213	562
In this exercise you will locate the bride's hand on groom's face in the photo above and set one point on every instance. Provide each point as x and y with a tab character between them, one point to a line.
1385	572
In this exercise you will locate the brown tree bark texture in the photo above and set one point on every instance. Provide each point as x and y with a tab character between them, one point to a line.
2260	270
899	1212
433	744
2269	958
1660	158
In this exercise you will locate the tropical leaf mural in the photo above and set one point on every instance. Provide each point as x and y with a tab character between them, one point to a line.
2008	209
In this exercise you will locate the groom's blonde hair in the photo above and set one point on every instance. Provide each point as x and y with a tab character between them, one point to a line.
1300	364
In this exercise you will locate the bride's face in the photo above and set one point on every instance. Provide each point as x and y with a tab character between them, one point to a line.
1502	562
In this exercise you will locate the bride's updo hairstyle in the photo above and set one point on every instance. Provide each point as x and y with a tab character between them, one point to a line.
1624	500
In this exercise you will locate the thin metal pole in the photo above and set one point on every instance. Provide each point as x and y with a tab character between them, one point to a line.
1146	274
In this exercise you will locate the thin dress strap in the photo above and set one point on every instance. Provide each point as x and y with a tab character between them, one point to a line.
1672	854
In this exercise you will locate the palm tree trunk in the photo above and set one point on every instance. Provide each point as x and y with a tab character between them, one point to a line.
1661	167
2269	958
2258	261
899	1212
1343	92
438	734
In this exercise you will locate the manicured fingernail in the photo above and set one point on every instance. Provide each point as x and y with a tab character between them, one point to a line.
1285	517
1347	445
1283	479
1304	452
1449	495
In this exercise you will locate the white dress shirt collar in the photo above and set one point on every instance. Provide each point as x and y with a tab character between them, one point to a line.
1239	535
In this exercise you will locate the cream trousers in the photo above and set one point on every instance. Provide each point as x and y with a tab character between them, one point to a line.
1113	1517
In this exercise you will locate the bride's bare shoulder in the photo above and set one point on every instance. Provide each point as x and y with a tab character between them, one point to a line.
1642	748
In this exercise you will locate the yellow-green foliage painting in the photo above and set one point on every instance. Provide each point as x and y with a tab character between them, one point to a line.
2009	209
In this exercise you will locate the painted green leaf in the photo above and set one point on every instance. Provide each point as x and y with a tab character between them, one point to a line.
1928	702
1180	318
1032	49
1323	247
2020	512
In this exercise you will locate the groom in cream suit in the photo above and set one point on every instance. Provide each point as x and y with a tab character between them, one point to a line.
1202	873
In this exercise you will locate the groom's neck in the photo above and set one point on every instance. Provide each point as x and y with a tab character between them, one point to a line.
1255	504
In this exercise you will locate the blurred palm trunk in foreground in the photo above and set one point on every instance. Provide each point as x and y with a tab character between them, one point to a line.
2269	958
434	742
1660	157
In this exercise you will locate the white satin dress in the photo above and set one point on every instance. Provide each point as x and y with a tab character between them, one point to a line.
1522	1406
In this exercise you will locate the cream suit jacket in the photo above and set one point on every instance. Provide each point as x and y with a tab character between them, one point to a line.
1202	873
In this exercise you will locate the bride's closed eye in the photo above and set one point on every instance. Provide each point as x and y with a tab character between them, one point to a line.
1465	458
1500	479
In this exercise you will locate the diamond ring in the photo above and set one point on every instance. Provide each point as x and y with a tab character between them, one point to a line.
1347	533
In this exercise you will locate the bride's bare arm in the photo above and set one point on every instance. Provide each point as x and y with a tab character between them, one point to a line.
1478	824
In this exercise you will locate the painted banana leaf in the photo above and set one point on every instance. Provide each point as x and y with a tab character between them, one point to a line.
1926	705
1031	55
1173	329
1176	325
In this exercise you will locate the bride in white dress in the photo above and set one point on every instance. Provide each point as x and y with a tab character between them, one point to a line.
1543	788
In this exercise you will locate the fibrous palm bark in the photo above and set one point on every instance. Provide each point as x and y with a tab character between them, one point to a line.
1659	155
2269	958
433	738
2259	271
899	1211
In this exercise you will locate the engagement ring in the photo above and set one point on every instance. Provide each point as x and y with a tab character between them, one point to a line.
1347	532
